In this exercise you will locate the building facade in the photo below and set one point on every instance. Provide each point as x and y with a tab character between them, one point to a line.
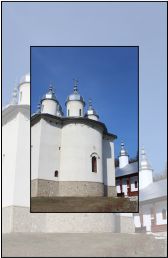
152	215
71	155
127	175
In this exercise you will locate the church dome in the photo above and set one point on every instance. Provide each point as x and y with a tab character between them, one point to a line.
91	111
25	79
50	94
75	95
144	163
123	151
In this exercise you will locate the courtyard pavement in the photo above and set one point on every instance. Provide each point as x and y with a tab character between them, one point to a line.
82	245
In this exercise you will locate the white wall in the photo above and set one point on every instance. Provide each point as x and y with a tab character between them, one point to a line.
108	162
146	211
159	207
46	141
79	141
9	147
74	107
15	167
35	149
123	161
49	106
22	173
145	178
24	94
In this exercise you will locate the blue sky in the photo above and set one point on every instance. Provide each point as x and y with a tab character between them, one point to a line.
107	75
110	24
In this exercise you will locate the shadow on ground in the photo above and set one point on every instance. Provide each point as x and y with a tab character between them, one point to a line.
83	204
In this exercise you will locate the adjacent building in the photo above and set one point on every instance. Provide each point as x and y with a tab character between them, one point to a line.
127	178
152	215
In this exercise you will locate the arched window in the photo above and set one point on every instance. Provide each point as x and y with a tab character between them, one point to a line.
94	164
164	214
56	173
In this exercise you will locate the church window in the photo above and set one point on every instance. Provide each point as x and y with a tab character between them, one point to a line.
136	184
80	112
164	214
56	173
68	112
42	107
94	164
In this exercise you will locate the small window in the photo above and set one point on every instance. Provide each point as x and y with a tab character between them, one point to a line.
42	107
94	164
56	173
20	95
80	112
164	214
136	184
68	112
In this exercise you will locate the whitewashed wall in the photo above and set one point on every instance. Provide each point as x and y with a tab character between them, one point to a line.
35	149
145	178
24	94
74	107
16	162
46	149
79	141
49	106
159	207
9	146
108	162
22	175
146	211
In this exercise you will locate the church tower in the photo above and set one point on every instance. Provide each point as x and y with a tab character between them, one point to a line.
75	103
91	113
145	171
24	90
49	103
123	157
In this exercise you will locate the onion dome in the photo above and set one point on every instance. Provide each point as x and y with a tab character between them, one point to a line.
144	163
50	94
75	95
91	110
123	151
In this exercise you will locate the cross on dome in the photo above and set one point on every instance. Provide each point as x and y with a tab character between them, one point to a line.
90	104
75	86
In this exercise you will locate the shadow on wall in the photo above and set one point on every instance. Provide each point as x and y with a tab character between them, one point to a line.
107	154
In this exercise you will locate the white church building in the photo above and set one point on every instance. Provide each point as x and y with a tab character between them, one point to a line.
16	215
71	155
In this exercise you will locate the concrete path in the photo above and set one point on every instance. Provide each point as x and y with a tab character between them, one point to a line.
82	245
